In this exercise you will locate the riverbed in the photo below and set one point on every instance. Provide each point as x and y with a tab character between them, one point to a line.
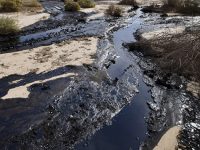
107	101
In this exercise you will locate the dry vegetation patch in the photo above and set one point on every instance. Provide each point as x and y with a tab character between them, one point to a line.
10	5
18	5
115	11
31	3
8	26
86	3
176	53
187	7
128	2
182	6
71	5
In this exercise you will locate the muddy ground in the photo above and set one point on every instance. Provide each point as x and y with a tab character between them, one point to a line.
68	75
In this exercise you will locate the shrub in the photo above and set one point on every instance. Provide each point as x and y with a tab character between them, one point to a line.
71	6
115	11
31	3
10	5
183	6
189	7
128	2
8	26
172	3
86	3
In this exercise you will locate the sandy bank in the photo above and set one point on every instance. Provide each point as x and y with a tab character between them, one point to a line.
162	32
46	58
194	88
169	139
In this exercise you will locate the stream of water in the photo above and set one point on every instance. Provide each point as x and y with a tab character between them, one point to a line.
128	129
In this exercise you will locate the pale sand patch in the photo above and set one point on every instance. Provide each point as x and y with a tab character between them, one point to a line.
162	32
22	91
149	2
26	19
99	11
171	14
44	59
169	139
194	88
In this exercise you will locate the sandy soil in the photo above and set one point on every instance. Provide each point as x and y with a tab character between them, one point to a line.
162	32
169	139
46	58
26	19
98	10
194	88
149	2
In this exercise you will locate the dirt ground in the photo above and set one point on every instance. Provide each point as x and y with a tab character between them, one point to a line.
47	58
169	141
44	59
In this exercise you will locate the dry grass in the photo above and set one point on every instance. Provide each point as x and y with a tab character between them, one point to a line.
86	3
182	6
187	7
71	5
8	26
18	5
10	5
128	2
114	11
31	3
175	53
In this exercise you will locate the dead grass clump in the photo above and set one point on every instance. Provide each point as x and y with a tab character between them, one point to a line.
128	2
8	26
175	53
187	7
10	5
86	3
182	6
31	3
71	5
114	11
18	5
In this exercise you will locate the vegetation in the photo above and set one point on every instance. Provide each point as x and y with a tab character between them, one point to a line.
31	3
70	5
177	53
128	2
182	6
10	5
115	11
86	3
188	7
16	5
8	26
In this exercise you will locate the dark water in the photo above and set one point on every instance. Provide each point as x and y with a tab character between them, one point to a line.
128	129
